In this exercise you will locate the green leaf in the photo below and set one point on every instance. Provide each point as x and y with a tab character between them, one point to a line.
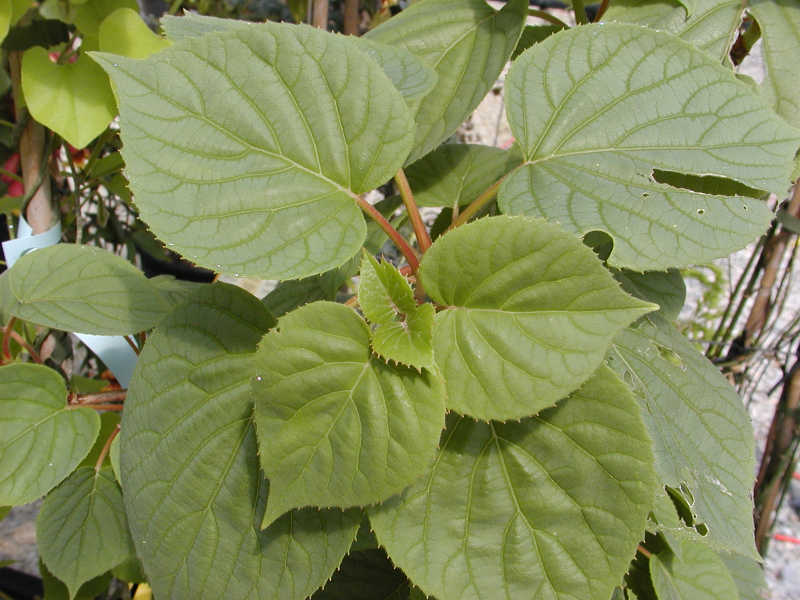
41	439
667	289
84	289
276	195
292	294
456	174
529	314
54	589
467	43
403	331
192	25
174	291
550	507
779	21
82	531
108	423
5	17
699	574
74	100
597	109
366	575
710	25
123	32
193	490
89	16
336	426
113	457
533	34
748	575
412	77
701	433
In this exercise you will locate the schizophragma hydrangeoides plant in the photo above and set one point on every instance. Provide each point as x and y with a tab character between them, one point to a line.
505	412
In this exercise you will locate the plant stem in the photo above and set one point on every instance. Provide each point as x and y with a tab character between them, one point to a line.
319	14
350	24
601	11
423	239
101	398
642	550
477	204
580	12
113	407
105	449
546	16
7	338
132	344
18	338
393	234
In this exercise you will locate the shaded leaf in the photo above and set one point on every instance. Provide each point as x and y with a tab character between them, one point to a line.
54	589
467	43
74	100
84	289
529	313
533	34
665	288
81	530
366	575
336	426
748	576
702	436
710	25
123	32
456	174
699	574
403	331
550	507
193	490
596	109
779	21
278	186
41	439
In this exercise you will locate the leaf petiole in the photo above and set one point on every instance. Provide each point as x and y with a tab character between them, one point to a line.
106	448
423	238
393	234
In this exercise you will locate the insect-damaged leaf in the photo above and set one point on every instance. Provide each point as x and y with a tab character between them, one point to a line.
246	149
600	111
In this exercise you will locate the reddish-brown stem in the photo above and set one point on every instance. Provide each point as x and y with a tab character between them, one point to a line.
101	398
105	449
7	338
393	234
352	301
115	407
132	344
644	551
601	11
423	239
477	204
18	338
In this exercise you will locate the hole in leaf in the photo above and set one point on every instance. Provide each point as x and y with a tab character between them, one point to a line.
600	242
681	505
701	528
687	494
701	211
706	184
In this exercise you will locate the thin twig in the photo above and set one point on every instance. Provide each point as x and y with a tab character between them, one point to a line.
546	16
101	398
19	339
423	238
132	344
105	449
476	205
601	11
393	234
642	550
7	338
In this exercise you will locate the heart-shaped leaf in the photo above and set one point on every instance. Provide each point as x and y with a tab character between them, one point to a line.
702	436
193	490
89	15
82	288
280	186
74	100
550	507
82	531
779	21
403	331
41	438
467	43
602	112
123	32
456	174
529	313
336	426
